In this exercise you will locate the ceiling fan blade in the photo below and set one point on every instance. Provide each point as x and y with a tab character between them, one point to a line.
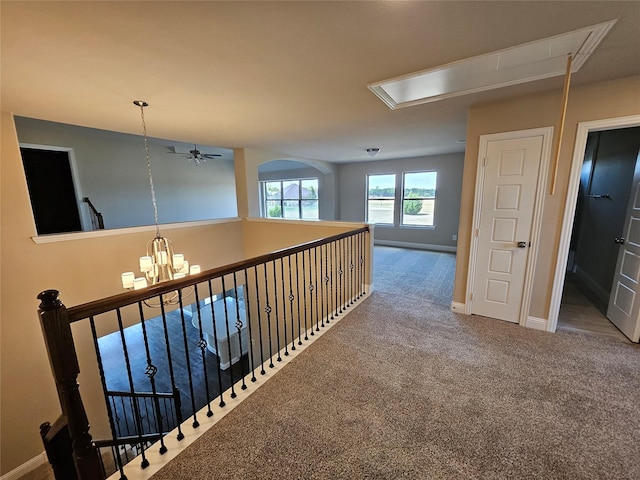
210	155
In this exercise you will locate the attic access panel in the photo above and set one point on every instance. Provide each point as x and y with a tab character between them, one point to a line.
523	63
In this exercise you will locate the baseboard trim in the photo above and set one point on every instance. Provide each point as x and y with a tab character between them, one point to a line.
415	246
537	323
26	467
458	307
600	292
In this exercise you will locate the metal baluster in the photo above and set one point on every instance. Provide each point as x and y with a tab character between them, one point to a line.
336	270
180	435
262	371
304	295
195	423
247	309
103	381
202	344
114	408
145	462
226	322
352	266
311	289
358	268
124	415
150	372
291	299
347	272
341	273
146	415
365	251
284	308
267	309
215	341
327	293
318	287
298	299
239	326
275	297
361	262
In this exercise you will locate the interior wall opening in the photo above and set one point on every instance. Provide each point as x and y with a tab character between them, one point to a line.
604	191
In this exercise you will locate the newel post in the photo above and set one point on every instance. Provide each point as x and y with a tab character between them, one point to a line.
56	328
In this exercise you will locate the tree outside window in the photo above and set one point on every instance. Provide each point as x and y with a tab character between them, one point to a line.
293	198
381	193
419	199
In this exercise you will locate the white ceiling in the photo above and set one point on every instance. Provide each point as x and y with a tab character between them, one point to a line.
290	77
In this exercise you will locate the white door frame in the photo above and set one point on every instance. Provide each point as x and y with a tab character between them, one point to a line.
570	204
532	253
85	218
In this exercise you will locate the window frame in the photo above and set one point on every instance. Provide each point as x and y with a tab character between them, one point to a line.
264	204
403	198
393	200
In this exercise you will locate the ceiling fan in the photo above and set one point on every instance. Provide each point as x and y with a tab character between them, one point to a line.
195	155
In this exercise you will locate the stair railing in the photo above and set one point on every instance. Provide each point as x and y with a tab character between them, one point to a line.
97	221
228	325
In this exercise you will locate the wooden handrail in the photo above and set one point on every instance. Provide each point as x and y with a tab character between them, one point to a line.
107	304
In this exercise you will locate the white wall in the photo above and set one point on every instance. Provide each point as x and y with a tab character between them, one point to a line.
352	194
112	172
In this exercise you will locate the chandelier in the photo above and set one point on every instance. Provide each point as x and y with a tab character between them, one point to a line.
160	264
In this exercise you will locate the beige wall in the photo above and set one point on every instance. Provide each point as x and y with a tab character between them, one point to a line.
247	189
88	268
587	103
248	160
82	270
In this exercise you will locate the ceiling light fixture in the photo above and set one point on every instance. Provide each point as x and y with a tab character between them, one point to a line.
373	151
160	264
536	60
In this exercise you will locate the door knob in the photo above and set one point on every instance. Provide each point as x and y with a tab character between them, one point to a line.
619	240
522	244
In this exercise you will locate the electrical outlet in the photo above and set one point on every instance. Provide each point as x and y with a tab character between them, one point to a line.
454	238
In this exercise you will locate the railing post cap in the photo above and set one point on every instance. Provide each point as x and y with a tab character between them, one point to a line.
49	299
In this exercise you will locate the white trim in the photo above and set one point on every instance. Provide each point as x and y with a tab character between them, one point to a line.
536	223
457	307
26	467
537	323
157	460
415	246
570	204
64	237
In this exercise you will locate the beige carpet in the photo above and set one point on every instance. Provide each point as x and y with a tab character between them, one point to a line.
404	388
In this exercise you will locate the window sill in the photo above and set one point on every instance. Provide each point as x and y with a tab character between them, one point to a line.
419	227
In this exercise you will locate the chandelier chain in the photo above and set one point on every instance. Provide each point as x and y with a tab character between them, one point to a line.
153	191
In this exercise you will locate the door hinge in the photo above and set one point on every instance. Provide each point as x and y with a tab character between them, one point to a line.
477	232
484	161
471	296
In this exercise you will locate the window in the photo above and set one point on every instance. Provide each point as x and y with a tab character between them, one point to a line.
419	199
297	198
381	193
